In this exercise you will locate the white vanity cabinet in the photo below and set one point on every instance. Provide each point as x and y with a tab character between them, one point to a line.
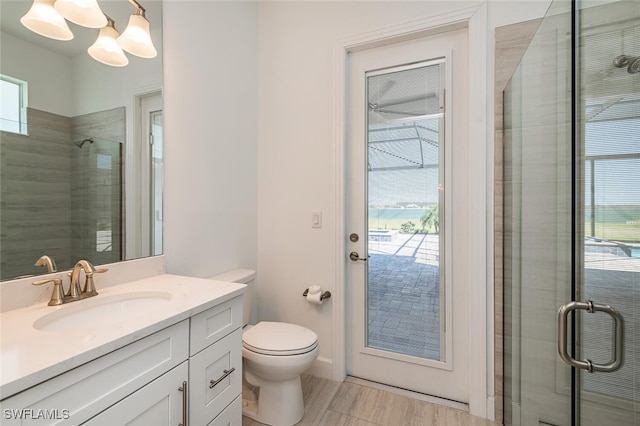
143	383
160	403
215	366
79	394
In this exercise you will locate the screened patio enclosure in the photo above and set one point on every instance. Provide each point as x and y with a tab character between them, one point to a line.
404	141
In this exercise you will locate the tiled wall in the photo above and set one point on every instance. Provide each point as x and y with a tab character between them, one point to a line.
511	42
35	188
96	183
54	194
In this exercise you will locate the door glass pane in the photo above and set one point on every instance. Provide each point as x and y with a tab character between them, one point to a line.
404	279
609	72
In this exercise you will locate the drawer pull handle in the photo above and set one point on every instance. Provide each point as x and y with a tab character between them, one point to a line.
185	403
225	374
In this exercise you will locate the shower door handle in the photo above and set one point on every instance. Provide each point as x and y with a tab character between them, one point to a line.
618	336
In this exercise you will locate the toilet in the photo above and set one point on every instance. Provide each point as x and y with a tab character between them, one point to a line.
274	355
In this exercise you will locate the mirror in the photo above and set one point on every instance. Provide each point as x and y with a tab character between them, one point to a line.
81	172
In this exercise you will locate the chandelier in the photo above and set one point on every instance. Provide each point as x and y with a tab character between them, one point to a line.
48	18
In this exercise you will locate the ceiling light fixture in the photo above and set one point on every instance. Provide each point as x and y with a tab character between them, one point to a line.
136	38
47	18
82	12
106	48
43	19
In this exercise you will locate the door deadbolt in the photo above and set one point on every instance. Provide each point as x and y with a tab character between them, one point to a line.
354	238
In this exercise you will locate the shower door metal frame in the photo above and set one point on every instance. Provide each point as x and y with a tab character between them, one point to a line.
572	325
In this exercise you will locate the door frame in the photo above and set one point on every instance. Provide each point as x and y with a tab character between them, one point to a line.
134	182
480	239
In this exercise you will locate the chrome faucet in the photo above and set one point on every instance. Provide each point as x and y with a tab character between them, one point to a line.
75	293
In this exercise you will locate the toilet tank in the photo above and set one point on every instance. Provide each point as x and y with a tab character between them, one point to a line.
242	276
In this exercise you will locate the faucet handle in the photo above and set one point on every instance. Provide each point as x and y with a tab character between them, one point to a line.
58	294
89	286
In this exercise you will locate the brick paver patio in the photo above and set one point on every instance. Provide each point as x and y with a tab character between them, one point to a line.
404	295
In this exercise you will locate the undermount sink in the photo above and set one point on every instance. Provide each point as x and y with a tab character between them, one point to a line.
100	311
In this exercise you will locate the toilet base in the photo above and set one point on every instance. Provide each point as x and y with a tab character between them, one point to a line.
274	403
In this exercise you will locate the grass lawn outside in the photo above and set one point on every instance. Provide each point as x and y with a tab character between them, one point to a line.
616	232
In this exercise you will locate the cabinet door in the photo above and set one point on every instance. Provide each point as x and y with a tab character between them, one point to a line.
159	403
213	324
231	416
215	378
85	391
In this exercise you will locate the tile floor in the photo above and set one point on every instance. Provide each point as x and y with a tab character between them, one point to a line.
352	403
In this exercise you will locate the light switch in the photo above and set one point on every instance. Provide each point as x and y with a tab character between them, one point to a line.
316	220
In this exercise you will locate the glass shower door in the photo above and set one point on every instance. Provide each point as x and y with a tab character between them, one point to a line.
538	224
572	220
608	132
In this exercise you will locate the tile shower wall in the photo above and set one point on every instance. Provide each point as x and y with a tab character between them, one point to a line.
36	186
511	41
96	186
59	199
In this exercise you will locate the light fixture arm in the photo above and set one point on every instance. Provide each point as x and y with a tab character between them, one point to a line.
140	10
110	22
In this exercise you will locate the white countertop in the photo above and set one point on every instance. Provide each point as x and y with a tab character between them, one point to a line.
29	356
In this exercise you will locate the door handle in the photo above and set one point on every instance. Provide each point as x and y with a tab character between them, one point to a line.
355	257
618	337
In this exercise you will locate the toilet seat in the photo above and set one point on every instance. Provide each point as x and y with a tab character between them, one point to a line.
279	339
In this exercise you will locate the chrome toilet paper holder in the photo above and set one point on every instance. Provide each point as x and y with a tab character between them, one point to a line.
323	296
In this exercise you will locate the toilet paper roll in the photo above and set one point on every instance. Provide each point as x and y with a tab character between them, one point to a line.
315	298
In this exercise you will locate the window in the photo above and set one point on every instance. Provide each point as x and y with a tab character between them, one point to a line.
13	105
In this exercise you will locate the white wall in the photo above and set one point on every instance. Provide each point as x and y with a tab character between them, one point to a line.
241	72
211	98
296	173
49	75
79	85
99	87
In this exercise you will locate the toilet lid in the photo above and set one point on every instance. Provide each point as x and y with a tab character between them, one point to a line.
279	338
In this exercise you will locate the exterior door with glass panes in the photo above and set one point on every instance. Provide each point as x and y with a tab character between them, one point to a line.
407	215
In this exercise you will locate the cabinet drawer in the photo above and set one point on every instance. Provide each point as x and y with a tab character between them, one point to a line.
213	364
213	324
160	403
231	416
83	392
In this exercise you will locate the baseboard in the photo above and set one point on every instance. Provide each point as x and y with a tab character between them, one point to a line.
322	367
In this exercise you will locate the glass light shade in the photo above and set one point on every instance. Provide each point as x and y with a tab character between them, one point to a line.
43	19
136	38
82	12
107	50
